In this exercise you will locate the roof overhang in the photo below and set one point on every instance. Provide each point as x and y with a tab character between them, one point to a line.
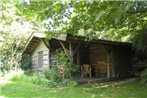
98	41
36	37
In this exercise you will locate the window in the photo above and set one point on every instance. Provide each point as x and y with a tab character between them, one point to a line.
40	59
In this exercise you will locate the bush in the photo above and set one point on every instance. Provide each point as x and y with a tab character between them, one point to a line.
52	75
50	78
28	72
65	62
25	62
144	77
35	79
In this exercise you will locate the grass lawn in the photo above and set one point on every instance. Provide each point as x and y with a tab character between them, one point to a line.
20	89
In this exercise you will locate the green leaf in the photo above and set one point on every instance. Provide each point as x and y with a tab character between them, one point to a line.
129	5
99	15
57	7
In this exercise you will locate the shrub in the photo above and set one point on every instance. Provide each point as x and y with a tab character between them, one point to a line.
28	72
50	78
52	75
26	62
35	79
54	80
144	77
65	62
18	75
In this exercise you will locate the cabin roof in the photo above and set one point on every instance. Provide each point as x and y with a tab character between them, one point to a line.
36	37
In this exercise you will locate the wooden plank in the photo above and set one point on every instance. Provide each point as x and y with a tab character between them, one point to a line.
64	49
78	57
108	65
35	41
70	51
61	37
76	49
46	44
49	57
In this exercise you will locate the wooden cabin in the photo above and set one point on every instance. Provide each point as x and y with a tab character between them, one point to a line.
108	59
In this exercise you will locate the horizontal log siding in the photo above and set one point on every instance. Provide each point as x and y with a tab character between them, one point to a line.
98	59
41	47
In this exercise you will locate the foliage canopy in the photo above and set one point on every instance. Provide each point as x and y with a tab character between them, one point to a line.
115	20
13	32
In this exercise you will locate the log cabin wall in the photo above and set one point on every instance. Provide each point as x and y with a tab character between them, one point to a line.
121	61
93	54
41	52
54	45
98	60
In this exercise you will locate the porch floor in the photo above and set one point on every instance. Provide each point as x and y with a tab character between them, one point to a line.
92	80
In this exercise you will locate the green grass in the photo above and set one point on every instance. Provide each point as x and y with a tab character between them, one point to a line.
21	89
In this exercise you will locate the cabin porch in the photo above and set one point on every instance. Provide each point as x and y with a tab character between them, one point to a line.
94	55
107	59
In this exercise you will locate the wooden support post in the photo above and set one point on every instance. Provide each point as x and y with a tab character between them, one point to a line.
64	49
108	65
70	51
49	56
76	49
46	44
68	54
78	58
71	54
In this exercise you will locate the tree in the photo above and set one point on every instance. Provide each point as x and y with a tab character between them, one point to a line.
115	20
14	30
11	51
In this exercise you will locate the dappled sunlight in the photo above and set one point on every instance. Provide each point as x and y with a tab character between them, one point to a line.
28	90
97	85
2	97
87	89
102	86
13	73
7	77
53	91
3	82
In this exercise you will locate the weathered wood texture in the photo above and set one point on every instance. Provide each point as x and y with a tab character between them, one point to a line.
96	55
98	59
40	47
54	45
33	43
84	54
121	61
107	59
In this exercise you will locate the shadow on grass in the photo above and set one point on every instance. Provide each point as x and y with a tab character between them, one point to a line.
22	89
